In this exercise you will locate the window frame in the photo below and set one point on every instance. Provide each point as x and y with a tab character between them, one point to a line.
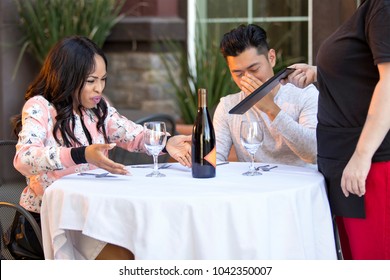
191	24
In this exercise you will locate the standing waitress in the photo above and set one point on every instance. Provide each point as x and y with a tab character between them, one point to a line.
353	75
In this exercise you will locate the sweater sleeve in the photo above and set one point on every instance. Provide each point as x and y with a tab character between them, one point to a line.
36	150
222	132
300	135
124	132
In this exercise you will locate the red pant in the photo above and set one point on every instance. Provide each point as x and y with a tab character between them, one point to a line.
369	238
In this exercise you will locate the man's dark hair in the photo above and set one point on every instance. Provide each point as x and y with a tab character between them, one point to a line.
243	37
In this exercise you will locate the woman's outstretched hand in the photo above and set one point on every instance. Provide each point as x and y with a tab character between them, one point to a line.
179	147
96	155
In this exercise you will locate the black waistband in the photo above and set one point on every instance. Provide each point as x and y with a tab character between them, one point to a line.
340	143
336	142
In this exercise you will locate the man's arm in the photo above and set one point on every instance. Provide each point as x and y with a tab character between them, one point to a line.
300	135
222	132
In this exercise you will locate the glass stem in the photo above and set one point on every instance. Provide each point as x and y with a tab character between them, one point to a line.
155	163
252	166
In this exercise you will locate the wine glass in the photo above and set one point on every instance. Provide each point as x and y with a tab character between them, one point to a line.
155	138
251	135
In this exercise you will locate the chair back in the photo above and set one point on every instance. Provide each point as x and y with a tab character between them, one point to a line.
7	215
127	158
12	184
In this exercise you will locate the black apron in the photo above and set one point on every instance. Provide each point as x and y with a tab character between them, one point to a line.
335	147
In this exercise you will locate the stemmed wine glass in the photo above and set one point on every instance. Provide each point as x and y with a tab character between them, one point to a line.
155	138
252	135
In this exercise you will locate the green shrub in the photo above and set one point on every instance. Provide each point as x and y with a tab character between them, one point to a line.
44	22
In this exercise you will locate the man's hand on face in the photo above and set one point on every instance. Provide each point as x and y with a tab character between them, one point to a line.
267	105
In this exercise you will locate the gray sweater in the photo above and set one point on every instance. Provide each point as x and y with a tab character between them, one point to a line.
289	139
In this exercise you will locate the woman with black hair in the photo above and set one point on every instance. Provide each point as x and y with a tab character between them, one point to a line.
68	127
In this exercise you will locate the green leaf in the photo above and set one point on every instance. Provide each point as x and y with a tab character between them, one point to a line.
45	22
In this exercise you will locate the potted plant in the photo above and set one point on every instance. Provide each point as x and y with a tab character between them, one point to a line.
44	22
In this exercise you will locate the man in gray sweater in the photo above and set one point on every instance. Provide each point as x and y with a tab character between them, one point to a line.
288	113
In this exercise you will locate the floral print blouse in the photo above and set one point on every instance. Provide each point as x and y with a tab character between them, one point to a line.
42	160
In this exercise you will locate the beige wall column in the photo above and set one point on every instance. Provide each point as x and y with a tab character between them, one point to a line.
327	16
11	90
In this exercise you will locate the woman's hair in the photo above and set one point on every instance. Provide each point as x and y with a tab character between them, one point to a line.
61	80
243	37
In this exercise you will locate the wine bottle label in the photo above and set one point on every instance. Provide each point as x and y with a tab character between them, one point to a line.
212	157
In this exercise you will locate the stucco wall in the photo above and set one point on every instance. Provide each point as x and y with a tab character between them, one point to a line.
136	75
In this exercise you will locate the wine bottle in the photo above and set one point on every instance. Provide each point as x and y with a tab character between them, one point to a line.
204	155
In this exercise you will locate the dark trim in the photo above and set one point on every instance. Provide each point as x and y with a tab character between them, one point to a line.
148	29
145	33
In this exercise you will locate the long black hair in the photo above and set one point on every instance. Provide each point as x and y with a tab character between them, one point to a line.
61	80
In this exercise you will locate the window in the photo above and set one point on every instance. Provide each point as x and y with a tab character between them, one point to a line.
287	22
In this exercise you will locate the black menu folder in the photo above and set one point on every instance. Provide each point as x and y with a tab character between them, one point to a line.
260	92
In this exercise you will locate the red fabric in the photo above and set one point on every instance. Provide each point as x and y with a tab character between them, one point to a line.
369	238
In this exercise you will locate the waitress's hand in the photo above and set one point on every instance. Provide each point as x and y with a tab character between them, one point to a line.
96	155
355	175
179	147
303	75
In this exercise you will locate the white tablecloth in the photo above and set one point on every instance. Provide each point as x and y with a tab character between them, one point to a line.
283	214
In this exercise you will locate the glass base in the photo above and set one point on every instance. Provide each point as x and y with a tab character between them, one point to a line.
155	174
252	173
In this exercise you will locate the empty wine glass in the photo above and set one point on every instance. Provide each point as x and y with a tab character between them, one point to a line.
252	135
155	138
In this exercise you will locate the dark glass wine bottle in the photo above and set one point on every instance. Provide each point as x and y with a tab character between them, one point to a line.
204	155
